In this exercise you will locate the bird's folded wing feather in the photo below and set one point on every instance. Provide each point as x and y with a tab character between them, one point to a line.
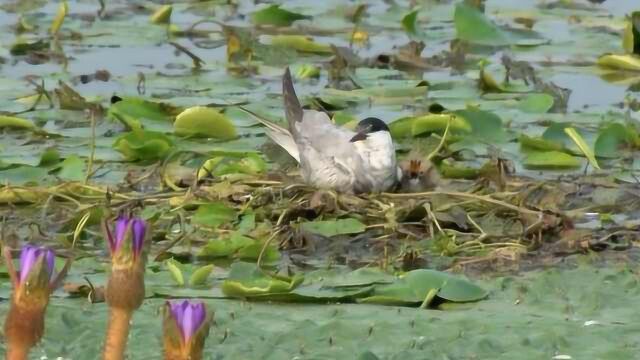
278	134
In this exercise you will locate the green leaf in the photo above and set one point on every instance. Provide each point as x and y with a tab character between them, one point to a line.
360	277
628	62
274	15
134	112
176	273
15	122
204	122
485	125
538	143
473	26
416	125
21	47
538	103
213	215
330	228
415	286
143	145
410	23
63	9
200	276
582	145
300	43
23	175
611	141
72	169
550	160
246	280
162	15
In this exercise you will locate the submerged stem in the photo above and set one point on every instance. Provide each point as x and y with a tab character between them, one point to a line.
117	333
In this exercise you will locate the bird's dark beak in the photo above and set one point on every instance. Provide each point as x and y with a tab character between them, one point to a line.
359	137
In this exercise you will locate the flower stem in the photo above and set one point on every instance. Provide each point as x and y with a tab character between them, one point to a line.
117	333
17	352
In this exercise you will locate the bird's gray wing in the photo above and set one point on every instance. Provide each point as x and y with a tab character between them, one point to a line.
293	109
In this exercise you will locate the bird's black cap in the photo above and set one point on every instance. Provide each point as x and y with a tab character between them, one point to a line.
368	126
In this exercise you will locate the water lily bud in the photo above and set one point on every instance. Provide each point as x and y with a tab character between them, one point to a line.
36	270
186	327
126	242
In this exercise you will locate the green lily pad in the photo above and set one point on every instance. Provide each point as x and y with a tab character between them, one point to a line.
213	215
200	275
611	141
551	160
15	122
143	145
410	23
136	112
485	125
274	15
300	43
204	122
246	280
416	125
72	168
414	287
538	103
330	228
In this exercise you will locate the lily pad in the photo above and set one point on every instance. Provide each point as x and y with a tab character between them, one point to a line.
274	15
330	228
551	160
246	280
611	141
204	122
213	215
143	145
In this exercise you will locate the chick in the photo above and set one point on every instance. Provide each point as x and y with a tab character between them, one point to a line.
418	175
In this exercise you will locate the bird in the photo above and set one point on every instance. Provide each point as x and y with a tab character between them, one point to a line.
418	175
333	157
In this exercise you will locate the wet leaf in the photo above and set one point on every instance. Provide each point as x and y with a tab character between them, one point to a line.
246	280
213	215
143	145
200	276
550	160
360	277
536	103
414	287
630	62
72	169
22	47
15	122
176	273
582	145
485	125
539	143
410	23
162	15
330	228
205	122
416	125
134	112
611	141
274	15
23	175
300	43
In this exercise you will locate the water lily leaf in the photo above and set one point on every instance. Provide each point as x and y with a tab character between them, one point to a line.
162	15
539	143
416	125
415	286
473	26
63	9
360	277
213	215
410	23
49	157
537	103
72	169
23	175
15	122
205	122
582	145
246	280
68	98
134	111
629	62
330	228
274	15
550	160
143	145
200	276
300	43
174	269
611	141
307	71
631	35
485	125
251	164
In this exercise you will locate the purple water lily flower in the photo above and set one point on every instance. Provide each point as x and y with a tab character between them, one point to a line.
137	228
30	255
189	316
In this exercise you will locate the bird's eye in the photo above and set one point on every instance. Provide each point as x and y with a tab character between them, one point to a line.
421	173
